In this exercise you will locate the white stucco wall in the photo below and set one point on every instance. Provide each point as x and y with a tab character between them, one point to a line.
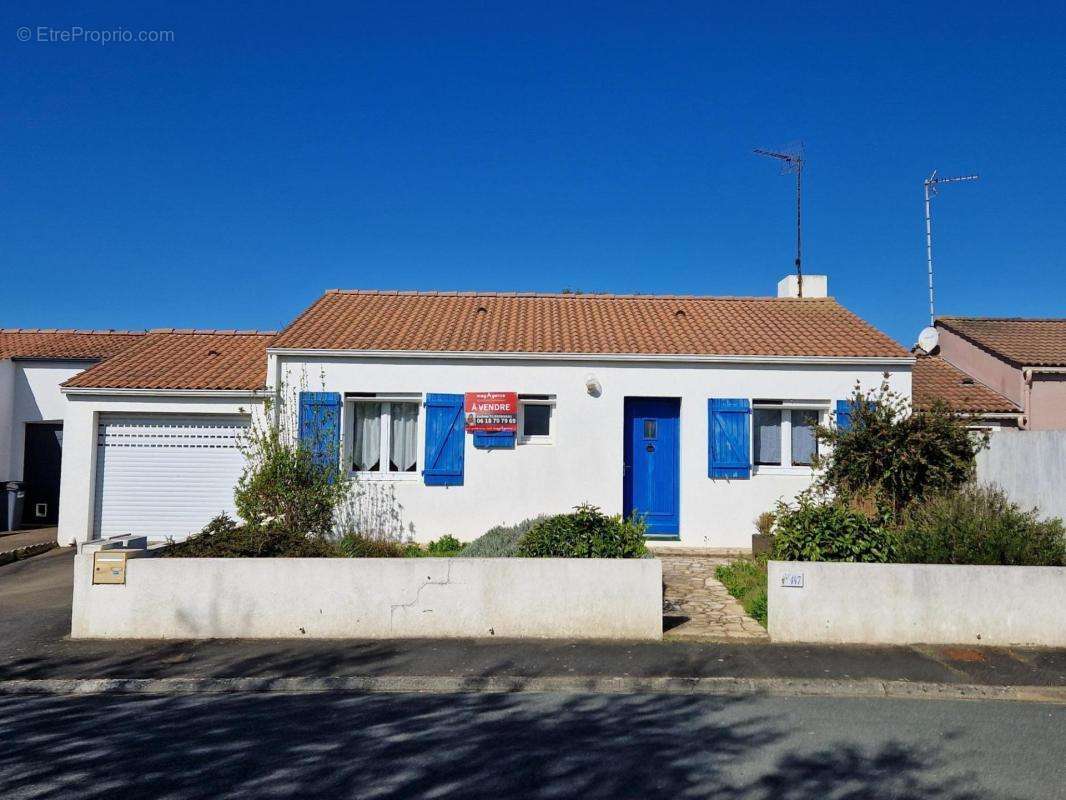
1030	466
34	396
916	604
7	419
202	598
38	398
584	464
79	446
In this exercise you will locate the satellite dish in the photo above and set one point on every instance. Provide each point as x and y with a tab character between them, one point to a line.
929	339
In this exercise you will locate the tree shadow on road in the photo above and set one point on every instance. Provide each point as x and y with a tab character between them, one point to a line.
421	746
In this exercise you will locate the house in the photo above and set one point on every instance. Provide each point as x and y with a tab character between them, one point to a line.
696	412
33	363
1024	360
936	379
152	435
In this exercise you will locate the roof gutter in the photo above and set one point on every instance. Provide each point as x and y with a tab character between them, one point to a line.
127	392
641	357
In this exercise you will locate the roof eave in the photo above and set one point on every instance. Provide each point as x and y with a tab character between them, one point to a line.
148	392
902	360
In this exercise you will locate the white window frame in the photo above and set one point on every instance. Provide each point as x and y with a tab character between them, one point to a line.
523	401
386	400
786	407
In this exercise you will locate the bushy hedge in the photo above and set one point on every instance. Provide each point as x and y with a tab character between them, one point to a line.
979	525
222	537
357	545
585	533
828	531
499	542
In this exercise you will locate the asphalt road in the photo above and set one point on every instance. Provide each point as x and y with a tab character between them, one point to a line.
527	745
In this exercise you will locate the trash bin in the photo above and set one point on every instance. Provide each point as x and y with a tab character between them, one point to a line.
14	496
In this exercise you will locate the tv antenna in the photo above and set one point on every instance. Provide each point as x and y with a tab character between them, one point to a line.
792	163
931	183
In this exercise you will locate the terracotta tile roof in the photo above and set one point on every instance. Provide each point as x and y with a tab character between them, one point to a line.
1023	342
594	324
936	379
184	359
53	343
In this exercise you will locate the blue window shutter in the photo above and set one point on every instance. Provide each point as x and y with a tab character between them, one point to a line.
729	438
495	440
445	440
320	426
844	409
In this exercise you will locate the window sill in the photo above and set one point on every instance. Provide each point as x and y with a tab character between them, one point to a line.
386	477
797	471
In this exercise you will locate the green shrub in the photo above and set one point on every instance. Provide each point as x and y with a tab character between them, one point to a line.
499	542
745	579
829	531
446	545
283	489
222	537
895	456
358	545
586	533
979	525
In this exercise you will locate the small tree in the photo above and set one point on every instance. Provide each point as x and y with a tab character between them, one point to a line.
894	455
283	488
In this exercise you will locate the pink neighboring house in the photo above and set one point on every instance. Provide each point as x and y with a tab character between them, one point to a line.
1022	359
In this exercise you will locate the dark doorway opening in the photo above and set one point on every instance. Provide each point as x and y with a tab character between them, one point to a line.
40	473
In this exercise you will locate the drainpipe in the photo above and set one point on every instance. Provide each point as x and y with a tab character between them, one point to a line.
1027	382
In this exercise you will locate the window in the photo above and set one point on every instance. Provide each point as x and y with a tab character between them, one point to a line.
535	412
383	435
783	436
804	441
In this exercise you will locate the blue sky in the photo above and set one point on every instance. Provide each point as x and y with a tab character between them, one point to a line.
226	178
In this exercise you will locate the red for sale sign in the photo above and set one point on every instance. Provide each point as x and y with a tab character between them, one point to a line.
491	411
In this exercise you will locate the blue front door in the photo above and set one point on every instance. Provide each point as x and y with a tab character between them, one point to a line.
651	485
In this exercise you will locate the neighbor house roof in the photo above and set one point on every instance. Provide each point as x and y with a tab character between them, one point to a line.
935	379
584	324
1023	342
184	359
60	344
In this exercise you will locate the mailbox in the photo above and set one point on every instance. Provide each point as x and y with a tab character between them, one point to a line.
109	566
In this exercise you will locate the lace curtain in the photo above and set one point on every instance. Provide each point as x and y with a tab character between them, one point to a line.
403	436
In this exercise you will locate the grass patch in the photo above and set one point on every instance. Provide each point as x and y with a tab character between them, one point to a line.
745	579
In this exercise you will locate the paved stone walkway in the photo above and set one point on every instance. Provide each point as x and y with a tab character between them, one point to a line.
692	592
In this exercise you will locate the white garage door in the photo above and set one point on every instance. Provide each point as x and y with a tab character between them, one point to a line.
165	475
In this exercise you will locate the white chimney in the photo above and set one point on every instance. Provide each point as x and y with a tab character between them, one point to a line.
813	286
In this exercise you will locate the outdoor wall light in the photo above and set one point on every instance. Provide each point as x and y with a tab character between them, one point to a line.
593	386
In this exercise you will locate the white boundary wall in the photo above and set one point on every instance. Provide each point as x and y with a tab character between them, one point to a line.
917	603
1030	466
200	598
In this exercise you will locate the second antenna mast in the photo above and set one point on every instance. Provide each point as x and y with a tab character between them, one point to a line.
792	162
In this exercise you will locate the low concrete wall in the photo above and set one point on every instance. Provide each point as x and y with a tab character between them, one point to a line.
916	603
199	598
